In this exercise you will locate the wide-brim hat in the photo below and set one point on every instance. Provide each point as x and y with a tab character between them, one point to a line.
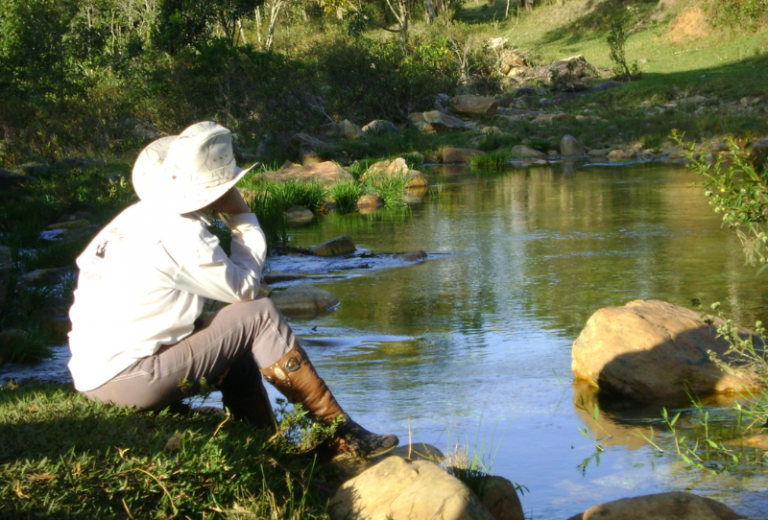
186	172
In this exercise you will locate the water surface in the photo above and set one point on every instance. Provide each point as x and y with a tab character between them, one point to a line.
473	344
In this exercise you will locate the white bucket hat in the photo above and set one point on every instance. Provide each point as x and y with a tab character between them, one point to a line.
186	172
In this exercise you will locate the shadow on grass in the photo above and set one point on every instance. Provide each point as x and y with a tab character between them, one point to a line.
63	456
598	17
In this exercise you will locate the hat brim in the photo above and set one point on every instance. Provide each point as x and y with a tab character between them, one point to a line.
163	194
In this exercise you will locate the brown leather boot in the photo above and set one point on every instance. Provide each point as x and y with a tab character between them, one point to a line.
295	377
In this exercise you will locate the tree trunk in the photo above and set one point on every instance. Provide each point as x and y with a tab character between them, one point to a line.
429	11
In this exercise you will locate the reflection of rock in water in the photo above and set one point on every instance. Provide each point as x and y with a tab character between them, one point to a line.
618	423
621	422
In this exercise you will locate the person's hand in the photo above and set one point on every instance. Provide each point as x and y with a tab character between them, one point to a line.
231	203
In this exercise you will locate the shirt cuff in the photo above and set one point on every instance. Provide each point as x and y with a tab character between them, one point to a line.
242	219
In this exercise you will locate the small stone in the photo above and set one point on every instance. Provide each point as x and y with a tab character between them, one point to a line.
304	300
369	203
339	246
413	256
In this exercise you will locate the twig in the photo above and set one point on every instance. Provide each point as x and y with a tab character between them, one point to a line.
222	423
127	510
687	50
410	445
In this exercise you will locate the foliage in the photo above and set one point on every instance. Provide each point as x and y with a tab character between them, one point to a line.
66	456
737	188
617	40
733	13
372	79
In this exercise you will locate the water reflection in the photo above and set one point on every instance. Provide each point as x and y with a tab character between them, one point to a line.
482	335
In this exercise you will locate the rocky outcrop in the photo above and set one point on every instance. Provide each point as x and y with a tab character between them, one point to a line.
304	300
338	246
474	105
399	488
654	351
678	505
325	173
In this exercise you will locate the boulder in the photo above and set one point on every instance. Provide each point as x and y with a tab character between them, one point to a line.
458	155
618	154
350	130
413	196
369	203
380	126
397	167
298	216
525	152
501	500
415	180
6	266
348	466
570	147
339	246
311	148
304	300
401	489
326	173
442	121
474	105
510	60
655	351
675	505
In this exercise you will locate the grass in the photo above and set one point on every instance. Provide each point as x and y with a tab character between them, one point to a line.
64	456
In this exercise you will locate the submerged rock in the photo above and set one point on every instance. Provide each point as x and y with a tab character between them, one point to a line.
675	505
654	351
304	300
298	216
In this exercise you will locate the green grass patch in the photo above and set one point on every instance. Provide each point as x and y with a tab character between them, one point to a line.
64	456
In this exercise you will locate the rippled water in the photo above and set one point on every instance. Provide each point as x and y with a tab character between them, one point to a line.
473	344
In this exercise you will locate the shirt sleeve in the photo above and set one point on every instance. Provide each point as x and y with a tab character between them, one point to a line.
212	274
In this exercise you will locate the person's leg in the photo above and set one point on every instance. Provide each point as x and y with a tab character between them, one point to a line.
246	339
232	341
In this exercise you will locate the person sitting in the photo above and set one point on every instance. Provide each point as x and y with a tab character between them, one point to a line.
137	332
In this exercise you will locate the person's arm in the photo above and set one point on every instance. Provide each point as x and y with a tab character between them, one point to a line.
229	279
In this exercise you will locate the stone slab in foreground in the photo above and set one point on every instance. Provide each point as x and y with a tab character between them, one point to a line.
401	489
654	351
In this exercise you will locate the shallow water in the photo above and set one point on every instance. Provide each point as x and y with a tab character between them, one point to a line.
473	344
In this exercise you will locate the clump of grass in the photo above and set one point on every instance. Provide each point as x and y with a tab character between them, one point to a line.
64	456
345	195
389	187
491	161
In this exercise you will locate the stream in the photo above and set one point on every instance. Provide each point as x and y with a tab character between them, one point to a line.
472	345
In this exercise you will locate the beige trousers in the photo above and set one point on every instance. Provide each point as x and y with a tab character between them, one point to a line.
235	341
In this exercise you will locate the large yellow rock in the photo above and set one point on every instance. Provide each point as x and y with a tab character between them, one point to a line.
474	105
654	351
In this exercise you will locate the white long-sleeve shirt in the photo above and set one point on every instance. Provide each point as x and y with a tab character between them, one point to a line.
143	280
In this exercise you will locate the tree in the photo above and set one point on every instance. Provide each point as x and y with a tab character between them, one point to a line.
183	23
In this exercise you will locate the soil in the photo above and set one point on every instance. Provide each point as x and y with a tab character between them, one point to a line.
690	25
